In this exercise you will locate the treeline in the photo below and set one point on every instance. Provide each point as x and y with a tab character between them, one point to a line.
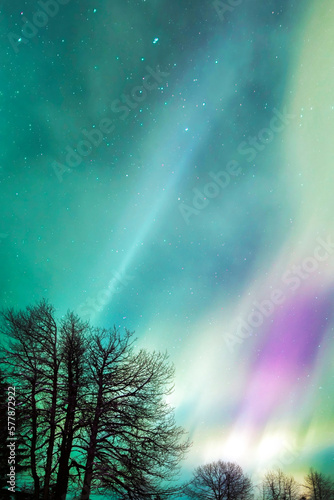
227	481
91	416
91	409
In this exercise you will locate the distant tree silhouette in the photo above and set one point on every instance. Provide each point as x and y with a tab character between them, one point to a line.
220	481
279	486
317	486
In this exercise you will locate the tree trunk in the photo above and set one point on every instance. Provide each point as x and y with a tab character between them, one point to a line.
67	441
85	493
49	454
34	442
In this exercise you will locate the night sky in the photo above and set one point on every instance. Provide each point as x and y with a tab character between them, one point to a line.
167	167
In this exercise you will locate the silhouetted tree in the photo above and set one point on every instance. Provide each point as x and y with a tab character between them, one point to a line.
132	443
94	411
317	486
73	344
279	486
30	340
220	481
45	369
45	331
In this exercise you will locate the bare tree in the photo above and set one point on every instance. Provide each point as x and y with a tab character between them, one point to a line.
95	411
317	486
220	481
73	344
279	486
30	357
133	445
46	333
45	369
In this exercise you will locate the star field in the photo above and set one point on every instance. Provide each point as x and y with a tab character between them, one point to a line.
167	168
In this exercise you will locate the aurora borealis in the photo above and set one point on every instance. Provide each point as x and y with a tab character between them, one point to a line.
207	193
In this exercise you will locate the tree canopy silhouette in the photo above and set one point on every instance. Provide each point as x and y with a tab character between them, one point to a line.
318	486
279	486
220	481
95	408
